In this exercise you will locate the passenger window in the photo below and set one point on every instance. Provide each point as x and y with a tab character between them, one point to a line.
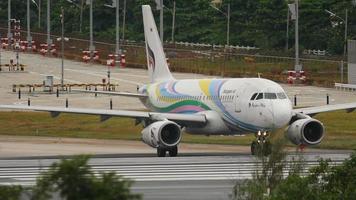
253	96
270	96
259	96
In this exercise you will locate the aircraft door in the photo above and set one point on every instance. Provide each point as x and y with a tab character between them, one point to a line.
237	102
240	98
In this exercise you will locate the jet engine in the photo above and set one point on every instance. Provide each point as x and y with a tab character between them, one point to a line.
162	134
307	131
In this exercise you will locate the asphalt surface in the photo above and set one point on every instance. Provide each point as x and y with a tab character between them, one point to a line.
189	176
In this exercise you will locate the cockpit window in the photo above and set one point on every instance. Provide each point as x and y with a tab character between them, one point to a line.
270	96
253	96
259	96
281	95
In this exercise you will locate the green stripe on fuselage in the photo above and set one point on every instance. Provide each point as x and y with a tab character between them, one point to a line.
182	103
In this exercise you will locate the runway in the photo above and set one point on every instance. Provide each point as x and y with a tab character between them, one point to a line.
190	176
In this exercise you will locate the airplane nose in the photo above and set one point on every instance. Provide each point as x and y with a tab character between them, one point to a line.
282	113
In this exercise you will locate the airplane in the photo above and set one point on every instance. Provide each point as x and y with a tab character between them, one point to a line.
218	106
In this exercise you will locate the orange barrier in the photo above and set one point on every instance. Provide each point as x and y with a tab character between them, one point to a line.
294	76
123	61
25	47
86	56
44	49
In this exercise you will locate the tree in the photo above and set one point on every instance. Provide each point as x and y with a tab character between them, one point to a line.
268	173
323	182
260	23
11	192
74	179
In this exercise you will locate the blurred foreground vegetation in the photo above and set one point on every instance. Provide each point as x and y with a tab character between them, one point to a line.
278	177
73	179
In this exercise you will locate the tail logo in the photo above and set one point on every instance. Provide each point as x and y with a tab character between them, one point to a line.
151	59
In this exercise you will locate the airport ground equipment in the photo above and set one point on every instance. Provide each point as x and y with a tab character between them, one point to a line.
12	67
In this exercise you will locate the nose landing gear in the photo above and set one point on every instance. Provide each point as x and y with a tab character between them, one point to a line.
261	145
172	151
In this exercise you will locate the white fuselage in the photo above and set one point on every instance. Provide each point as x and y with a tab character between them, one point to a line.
238	105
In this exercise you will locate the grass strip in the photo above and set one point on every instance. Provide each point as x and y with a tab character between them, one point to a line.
340	129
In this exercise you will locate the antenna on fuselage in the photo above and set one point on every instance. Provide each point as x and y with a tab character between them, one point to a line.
259	75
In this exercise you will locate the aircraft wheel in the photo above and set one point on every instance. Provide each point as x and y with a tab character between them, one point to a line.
173	152
161	152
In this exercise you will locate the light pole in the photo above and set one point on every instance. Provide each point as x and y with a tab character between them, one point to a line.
9	34
227	15
62	39
39	11
173	19
287	35
81	12
124	22
345	21
91	46
159	6
161	21
116	5
29	38
49	41
81	16
117	27
297	66
173	12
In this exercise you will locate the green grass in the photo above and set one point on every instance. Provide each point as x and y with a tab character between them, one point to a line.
340	127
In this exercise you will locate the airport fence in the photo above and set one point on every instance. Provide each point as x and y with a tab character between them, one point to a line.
209	61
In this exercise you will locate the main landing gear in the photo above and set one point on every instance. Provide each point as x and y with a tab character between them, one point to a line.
172	151
261	145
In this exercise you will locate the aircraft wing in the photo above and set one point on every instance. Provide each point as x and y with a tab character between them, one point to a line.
126	94
182	119
349	107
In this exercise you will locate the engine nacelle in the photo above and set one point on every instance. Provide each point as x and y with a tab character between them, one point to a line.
306	131
162	134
